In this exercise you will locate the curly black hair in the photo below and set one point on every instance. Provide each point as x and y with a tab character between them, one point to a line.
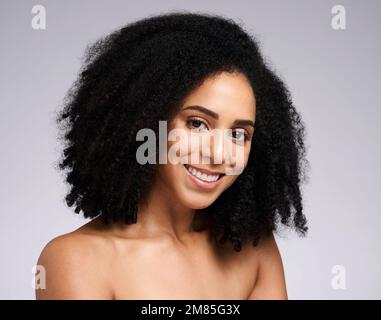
138	75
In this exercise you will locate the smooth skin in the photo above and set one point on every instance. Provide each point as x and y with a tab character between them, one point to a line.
169	253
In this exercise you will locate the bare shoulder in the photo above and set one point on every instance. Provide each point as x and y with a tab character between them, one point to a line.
75	266
270	281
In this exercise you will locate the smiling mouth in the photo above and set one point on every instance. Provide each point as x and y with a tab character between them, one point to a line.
203	175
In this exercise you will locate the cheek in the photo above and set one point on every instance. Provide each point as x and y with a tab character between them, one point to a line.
169	175
247	154
179	144
239	157
228	182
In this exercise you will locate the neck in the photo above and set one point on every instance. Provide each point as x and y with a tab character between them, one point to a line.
162	215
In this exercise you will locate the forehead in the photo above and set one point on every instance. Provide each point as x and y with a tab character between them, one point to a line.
228	94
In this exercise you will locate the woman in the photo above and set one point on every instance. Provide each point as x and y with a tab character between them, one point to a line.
177	230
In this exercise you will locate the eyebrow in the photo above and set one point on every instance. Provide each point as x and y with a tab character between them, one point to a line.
241	122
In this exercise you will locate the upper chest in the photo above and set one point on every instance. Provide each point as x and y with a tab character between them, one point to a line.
165	272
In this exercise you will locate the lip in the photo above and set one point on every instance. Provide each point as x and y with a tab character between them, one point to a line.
203	184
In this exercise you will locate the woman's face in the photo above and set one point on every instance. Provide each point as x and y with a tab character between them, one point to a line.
211	151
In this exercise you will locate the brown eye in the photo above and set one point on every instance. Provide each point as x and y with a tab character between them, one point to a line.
197	124
239	135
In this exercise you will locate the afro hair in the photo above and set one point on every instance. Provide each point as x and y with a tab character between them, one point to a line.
137	76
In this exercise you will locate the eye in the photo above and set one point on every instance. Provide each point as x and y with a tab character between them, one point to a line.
196	125
240	135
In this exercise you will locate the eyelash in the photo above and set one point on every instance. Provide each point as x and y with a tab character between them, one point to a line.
190	120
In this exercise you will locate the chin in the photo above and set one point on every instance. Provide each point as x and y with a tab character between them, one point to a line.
198	202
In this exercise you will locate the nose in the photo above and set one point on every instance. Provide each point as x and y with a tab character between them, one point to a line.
223	152
212	148
217	147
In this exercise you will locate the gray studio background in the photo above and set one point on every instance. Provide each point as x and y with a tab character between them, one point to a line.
334	77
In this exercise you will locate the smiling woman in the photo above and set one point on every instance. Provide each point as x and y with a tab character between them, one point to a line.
189	229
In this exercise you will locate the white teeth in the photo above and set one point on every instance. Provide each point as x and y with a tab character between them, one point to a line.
202	176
